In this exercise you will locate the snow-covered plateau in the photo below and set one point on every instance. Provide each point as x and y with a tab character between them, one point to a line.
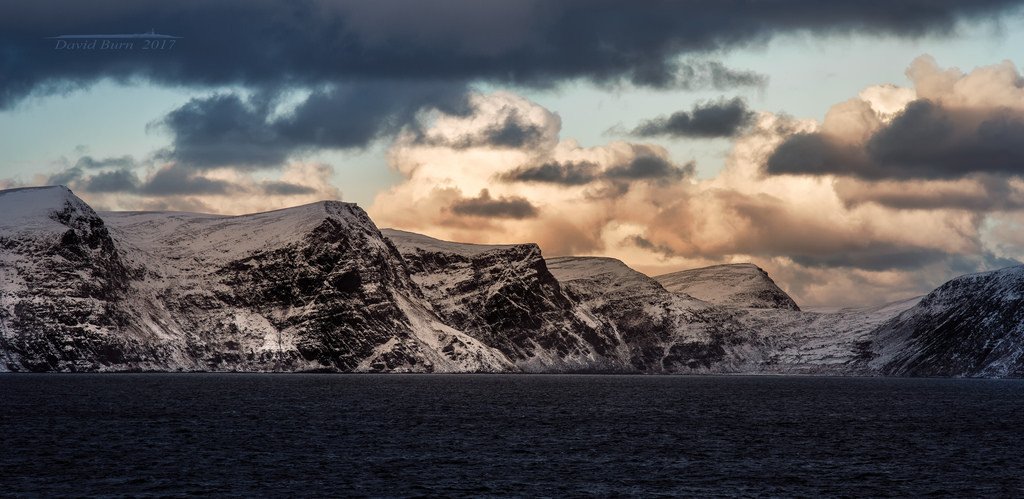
320	288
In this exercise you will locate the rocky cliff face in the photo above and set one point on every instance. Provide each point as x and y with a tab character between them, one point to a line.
319	287
505	297
62	284
970	326
309	288
658	331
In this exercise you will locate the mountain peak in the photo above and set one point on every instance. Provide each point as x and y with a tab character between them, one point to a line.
35	208
742	285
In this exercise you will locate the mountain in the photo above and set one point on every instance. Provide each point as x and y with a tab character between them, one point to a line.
315	287
741	285
670	331
658	331
62	283
320	288
972	325
505	296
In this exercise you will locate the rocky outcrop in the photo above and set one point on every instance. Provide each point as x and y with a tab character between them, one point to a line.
658	331
62	284
505	296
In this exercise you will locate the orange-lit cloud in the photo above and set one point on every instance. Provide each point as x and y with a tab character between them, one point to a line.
828	237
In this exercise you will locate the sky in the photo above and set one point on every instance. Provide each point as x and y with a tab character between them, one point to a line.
860	152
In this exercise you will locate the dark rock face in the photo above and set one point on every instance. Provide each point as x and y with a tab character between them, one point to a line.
341	285
73	283
310	288
505	297
658	331
970	326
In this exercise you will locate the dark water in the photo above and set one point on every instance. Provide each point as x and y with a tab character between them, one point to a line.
287	435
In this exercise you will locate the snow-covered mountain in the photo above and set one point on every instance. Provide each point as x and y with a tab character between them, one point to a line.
668	331
505	296
742	285
319	287
62	284
656	330
315	287
970	326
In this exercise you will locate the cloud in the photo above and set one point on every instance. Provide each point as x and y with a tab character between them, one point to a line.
925	141
722	118
553	172
173	187
64	177
229	130
645	164
808	231
502	207
650	167
280	188
173	180
113	181
979	193
90	163
307	43
508	126
947	132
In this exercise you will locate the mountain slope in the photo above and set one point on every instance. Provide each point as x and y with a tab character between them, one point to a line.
319	287
504	296
61	284
972	325
312	287
741	285
660	331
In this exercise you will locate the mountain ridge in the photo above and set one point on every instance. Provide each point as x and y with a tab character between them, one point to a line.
319	287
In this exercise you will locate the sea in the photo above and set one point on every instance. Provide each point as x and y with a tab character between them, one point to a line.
302	435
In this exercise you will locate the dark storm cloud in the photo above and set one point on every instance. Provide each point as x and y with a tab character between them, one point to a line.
227	130
64	177
568	173
513	132
644	243
502	207
964	264
281	188
650	168
694	75
983	193
91	163
925	141
640	168
885	257
722	118
309	43
174	180
877	257
113	181
223	129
